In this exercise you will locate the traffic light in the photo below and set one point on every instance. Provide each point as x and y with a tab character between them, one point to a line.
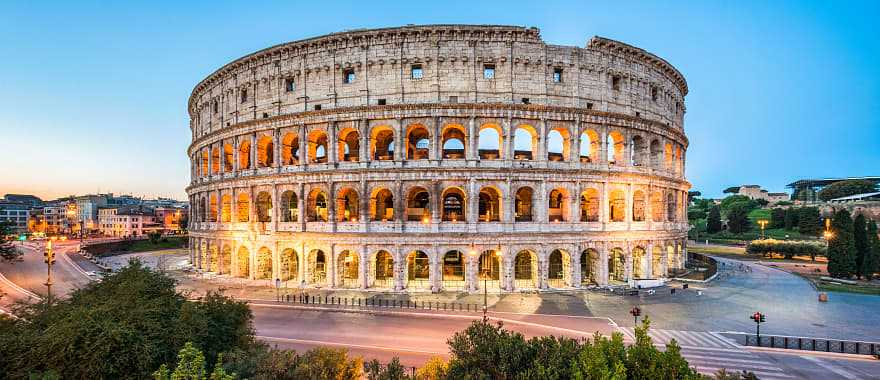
758	317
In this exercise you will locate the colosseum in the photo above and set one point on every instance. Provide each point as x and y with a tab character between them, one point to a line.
440	157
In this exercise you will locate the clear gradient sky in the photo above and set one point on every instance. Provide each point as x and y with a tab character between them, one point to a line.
93	94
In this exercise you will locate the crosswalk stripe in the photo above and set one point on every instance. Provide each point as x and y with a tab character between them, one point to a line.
761	374
700	338
751	363
722	340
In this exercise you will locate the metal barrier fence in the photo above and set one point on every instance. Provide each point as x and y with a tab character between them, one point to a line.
812	344
706	261
305	299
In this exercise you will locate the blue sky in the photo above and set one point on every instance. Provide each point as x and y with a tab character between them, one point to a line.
93	94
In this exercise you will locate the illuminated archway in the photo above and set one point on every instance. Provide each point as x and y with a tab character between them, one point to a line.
318	206
347	205
453	270
617	206
317	262
228	158
489	269
289	266
382	205
317	146
264	264
382	143
638	263
589	266
523	207
454	208
243	207
557	144
559	269
290	149
616	266
418	202
525	143
638	206
525	270
557	205
348	148
347	270
418	269
244	155
590	205
489	142
615	148
244	262
453	141
490	204
264	207
289	207
590	146
226	208
265	152
384	270
418	142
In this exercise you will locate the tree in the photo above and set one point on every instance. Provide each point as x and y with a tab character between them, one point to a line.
731	190
738	219
846	188
693	194
8	252
696	215
791	218
841	248
872	260
809	222
713	221
860	241
741	200
154	237
762	202
777	218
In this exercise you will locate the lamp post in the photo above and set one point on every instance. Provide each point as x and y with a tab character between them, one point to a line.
485	275
49	255
763	223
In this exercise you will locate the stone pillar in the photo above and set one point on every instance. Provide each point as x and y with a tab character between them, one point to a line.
471	151
398	141
332	143
507	133
276	149
252	261
507	260
301	263
664	260
574	205
236	160
365	268
508	203
649	257
543	268
253	152
473	197
628	263
303	146
364	136
575	263
301	206
399	269
629	205
541	207
603	145
275	208
364	206
332	273
331	204
434	275
435	144
602	275
604	205
470	272
276	262
541	149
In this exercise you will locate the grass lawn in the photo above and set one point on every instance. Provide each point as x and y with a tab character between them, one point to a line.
717	250
145	245
846	288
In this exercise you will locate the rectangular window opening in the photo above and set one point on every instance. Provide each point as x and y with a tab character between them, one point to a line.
416	72
489	71
289	85
244	95
453	99
382	102
654	93
615	83
557	75
348	76
317	107
525	100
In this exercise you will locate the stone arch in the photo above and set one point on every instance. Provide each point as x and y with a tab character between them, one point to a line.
317	267
383	274
489	269
418	204
670	258
490	205
525	270
657	206
453	141
656	152
615	148
382	205
616	265
668	156
590	265
215	160
347	205
453	266
204	162
203	209
226	208
244	262
212	207
348	145
638	263
590	146
382	143
589	205
228	158
418	142
289	265
638	206
318	207
242	206
559	269
317	146
617	206
264	264
557	144
525	142
454	203
214	258
289	207
225	266
557	205
523	207
489	142
637	151
670	207
657	262
265	152
347	270
418	269
290	149
264	207
244	155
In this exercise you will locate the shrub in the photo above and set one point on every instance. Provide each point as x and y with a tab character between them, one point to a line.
786	248
846	188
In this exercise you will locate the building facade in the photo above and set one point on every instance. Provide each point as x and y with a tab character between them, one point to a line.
430	157
756	192
127	222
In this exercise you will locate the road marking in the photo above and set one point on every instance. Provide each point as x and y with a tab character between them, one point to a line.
325	343
833	368
17	288
76	266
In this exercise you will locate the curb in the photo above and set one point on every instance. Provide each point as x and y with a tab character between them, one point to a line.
17	288
813	353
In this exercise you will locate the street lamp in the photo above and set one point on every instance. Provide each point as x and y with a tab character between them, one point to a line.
49	255
763	223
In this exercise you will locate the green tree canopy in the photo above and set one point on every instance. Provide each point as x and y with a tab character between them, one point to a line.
809	221
713	221
846	188
731	190
871	264
8	252
841	248
738	218
860	242
777	218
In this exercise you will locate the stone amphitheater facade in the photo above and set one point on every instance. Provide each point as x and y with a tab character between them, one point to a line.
440	157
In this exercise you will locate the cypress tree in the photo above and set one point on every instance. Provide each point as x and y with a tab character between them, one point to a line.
808	221
841	249
860	241
777	218
713	221
791	218
871	264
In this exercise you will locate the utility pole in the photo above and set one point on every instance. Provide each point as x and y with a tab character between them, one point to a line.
49	254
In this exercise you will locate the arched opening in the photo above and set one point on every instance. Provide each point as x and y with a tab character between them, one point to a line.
417	142
347	269
347	205
657	262
670	207
452	269
289	266
264	207
418	202
215	160
317	146
382	203
523	206
489	269
225	260
317	267
638	212
384	274
205	263
290	149
637	151
559	269
590	205
589	149
670	259
616	266
617	206
657	207
228	158
264	264
244	262
679	163
203	163
615	148
656	154
418	269
244	155
453	205
226	208
489	142
453	139
214	254
317	210
243	207
667	160
265	152
525	143
490	204
557	204
525	270
557	144
212	210
203	210
348	148
289	207
589	268
382	148
638	263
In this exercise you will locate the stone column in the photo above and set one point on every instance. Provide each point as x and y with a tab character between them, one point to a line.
253	152
541	149
543	268
603	205
303	146
649	257
473	196
435	144
399	269
332	143
332	273
629	205
301	263
331	204
602	275
276	149
301	206
508	203
470	274
275	208
628	263
276	262
252	261
507	267
507	133
603	145
365	268
236	160
664	260
434	275
364	135
471	151
541	205
398	141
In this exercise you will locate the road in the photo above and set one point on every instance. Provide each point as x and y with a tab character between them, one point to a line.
30	273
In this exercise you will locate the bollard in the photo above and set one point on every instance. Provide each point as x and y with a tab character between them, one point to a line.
823	297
